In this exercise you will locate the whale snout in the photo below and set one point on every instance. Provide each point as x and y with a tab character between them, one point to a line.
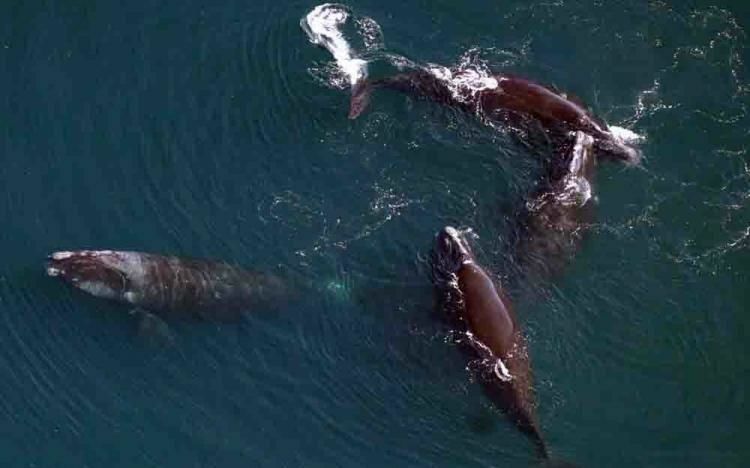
450	252
67	265
58	264
88	271
447	240
450	241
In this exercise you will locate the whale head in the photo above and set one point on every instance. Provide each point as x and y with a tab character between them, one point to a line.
450	251
101	273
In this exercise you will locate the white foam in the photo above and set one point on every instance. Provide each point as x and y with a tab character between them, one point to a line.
475	80
577	189
323	27
625	136
465	83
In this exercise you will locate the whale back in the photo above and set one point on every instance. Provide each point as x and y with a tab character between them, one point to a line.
169	285
209	289
489	334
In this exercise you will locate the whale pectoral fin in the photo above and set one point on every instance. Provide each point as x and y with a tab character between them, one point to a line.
360	98
152	328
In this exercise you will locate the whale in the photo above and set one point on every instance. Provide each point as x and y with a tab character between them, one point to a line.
555	219
169	286
506	99
478	309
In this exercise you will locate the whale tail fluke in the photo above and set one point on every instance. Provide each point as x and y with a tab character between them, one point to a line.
360	98
541	445
546	460
529	427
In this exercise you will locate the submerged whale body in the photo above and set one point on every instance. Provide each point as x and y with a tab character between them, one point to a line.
479	309
168	285
502	98
557	216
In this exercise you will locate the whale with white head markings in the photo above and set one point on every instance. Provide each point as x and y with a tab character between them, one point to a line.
479	309
167	285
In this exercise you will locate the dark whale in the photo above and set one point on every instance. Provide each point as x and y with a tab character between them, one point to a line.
558	215
168	286
478	309
501	98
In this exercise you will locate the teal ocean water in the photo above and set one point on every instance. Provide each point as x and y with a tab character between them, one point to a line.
216	129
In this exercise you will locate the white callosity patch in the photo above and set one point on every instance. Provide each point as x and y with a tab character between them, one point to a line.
61	255
323	26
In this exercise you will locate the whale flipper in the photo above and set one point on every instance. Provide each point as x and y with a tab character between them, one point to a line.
152	328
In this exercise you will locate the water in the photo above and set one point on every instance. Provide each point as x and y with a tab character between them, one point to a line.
214	130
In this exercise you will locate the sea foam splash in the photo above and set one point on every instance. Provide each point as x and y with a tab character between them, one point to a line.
467	78
626	136
323	26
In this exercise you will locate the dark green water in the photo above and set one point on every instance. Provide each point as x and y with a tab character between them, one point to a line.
204	129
